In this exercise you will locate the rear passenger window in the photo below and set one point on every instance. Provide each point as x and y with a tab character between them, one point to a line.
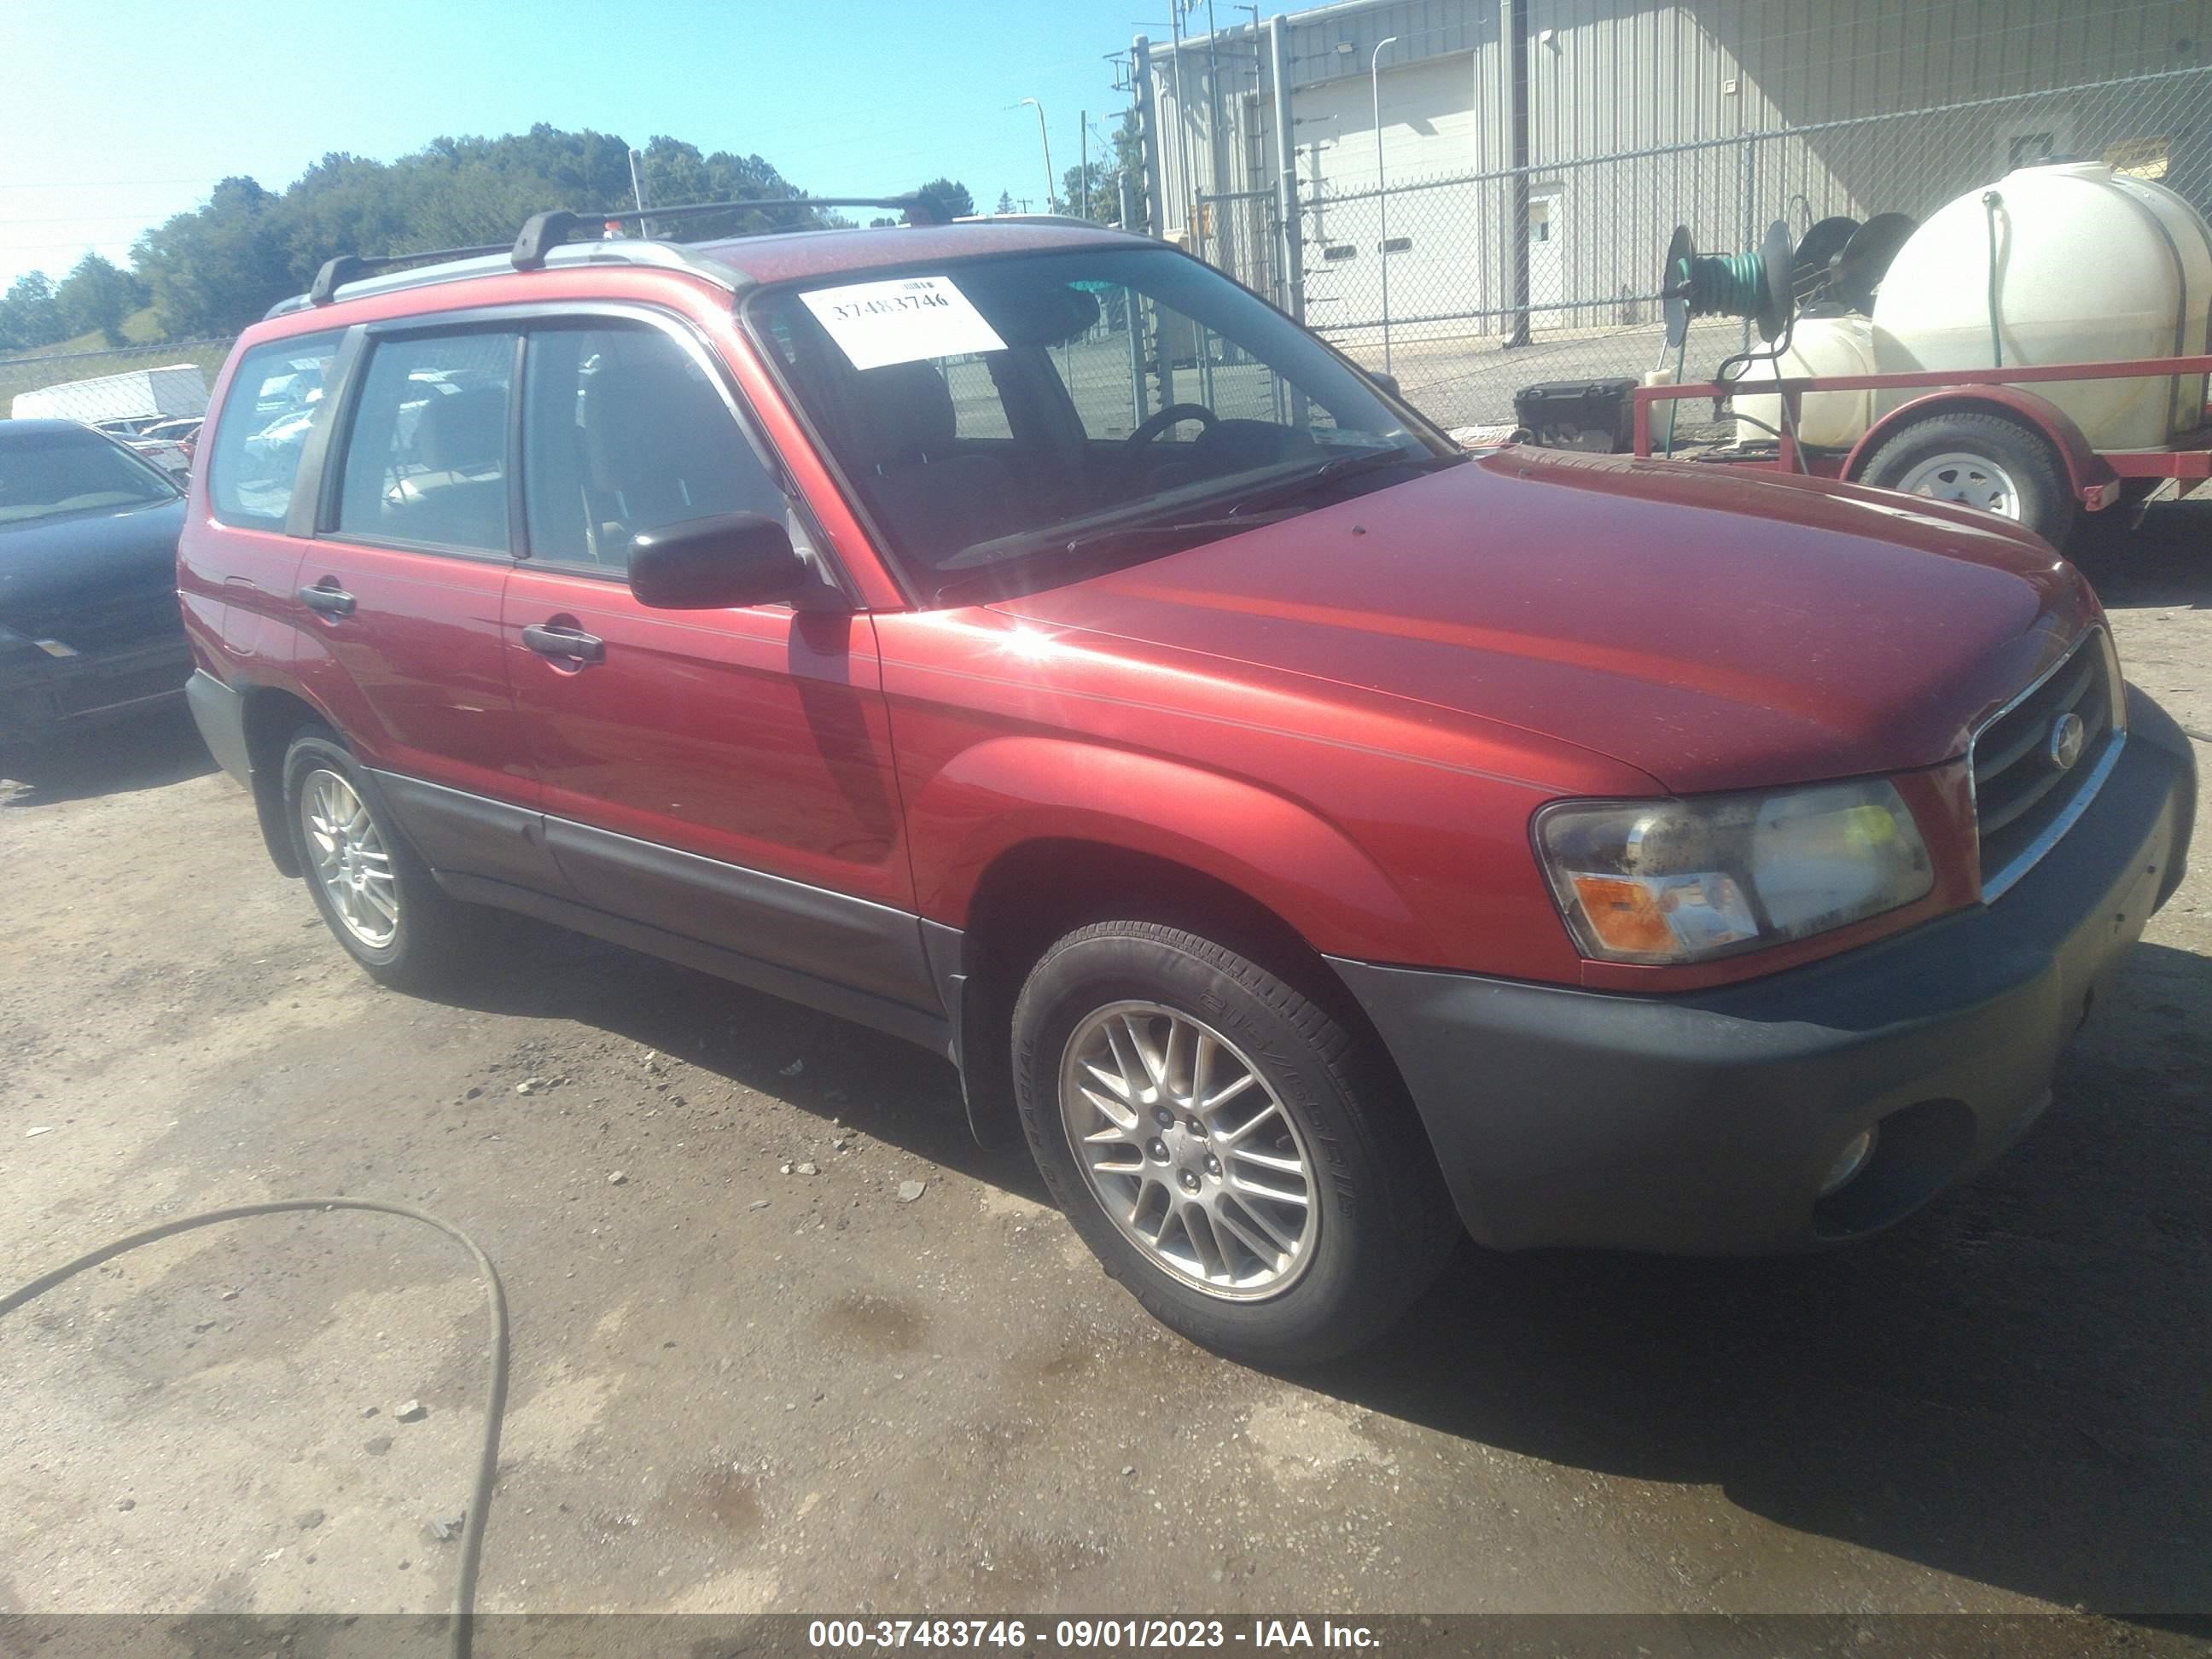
274	399
427	463
623	433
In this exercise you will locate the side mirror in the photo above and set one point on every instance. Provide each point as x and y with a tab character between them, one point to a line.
1389	383
715	563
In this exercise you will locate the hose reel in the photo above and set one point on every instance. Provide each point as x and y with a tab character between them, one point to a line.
1756	285
1838	262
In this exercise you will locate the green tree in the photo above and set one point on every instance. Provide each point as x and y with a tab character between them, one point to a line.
218	268
215	270
28	316
950	196
1007	203
96	295
1102	195
675	173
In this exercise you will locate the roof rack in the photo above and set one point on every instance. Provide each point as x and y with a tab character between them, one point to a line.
544	231
351	267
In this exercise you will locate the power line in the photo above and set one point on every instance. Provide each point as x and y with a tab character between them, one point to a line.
106	184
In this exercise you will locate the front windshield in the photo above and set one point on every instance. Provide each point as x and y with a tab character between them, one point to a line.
46	475
1017	421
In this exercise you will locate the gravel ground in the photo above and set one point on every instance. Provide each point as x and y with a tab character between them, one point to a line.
738	1389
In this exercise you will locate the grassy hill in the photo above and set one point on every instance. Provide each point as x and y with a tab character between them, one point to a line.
89	356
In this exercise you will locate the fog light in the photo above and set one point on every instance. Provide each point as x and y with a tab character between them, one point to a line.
1848	1162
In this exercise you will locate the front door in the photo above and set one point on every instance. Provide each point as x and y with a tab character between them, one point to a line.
725	775
402	584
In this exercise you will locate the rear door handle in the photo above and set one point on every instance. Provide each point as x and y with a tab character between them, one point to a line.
569	644
327	597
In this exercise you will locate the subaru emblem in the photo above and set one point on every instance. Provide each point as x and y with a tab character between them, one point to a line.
2067	736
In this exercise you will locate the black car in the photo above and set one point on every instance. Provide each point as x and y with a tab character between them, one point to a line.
89	626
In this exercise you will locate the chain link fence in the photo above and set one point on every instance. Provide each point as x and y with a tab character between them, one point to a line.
1484	192
1461	343
80	385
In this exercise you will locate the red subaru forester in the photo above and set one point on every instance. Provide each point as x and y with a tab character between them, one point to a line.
1019	637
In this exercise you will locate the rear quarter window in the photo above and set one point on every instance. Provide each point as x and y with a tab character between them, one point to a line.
276	398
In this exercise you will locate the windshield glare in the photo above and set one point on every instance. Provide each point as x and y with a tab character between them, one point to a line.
992	411
44	475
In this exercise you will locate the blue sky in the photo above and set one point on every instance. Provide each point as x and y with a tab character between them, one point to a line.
115	113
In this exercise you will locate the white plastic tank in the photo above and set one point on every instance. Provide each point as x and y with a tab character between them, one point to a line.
1818	345
2091	266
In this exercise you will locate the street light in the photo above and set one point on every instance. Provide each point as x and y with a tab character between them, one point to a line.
1381	199
1044	138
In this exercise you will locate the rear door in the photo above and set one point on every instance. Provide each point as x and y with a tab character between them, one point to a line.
402	584
238	584
725	775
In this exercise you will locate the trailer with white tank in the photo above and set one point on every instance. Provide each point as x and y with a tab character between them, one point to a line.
2039	347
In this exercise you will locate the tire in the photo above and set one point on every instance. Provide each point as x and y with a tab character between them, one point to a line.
1336	1270
404	929
1979	460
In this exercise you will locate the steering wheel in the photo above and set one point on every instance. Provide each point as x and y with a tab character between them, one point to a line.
1156	424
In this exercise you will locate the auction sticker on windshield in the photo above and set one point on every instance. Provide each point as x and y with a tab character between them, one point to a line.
901	321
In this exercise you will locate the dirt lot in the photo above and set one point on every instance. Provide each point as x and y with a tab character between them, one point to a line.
739	1389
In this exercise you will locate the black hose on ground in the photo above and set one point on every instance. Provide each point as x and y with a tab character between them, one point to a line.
472	1523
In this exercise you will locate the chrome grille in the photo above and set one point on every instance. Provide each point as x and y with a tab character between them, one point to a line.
2024	800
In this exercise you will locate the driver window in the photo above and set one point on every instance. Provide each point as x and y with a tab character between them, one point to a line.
623	433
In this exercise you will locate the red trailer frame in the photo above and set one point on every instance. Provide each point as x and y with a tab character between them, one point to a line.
2095	477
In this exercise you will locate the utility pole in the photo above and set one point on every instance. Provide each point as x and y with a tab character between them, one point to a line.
1148	121
1182	120
1082	159
637	192
1224	249
1513	41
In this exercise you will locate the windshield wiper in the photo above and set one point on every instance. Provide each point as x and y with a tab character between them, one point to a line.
1170	531
1344	466
1191	531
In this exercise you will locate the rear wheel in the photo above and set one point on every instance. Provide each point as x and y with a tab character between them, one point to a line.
380	899
1224	1146
1982	461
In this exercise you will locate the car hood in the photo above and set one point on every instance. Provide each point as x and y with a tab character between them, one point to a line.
1712	629
64	570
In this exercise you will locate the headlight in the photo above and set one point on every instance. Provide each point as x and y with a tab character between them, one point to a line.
1675	881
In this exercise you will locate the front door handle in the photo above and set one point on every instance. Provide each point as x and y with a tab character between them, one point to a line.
327	597
569	644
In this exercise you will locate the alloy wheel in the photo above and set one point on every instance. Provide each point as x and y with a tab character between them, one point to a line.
1189	1150
351	861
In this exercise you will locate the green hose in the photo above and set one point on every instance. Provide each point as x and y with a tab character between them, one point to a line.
1722	284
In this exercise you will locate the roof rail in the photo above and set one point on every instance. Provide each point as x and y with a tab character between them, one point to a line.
351	267
544	232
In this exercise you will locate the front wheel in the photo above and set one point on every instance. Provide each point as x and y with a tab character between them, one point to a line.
1226	1147
1983	461
379	899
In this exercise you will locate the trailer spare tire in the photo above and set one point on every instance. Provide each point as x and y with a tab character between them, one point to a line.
1978	460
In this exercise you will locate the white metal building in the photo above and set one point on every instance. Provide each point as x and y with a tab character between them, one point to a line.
1537	154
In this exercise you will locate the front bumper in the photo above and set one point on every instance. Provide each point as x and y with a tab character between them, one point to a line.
43	695
1704	1123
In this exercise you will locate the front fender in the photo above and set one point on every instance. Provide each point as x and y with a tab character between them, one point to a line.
1001	793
